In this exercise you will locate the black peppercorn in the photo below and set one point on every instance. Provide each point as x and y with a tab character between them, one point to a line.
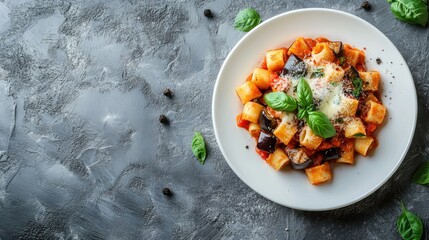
247	147
365	5
166	191
378	60
208	13
163	119
167	93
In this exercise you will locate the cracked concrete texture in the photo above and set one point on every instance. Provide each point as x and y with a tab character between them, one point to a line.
83	156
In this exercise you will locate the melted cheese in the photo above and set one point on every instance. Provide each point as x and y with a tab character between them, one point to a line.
289	118
328	92
327	89
332	103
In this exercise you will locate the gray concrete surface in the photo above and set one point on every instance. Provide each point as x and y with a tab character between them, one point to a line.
83	155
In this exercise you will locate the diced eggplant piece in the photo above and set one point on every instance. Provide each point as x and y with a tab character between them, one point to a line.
295	66
298	158
267	142
352	73
336	46
331	154
266	122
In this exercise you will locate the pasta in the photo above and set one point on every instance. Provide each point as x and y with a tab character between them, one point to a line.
311	106
261	78
276	59
322	53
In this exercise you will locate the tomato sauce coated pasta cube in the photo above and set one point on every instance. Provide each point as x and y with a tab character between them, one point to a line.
376	112
251	112
278	159
308	139
299	48
322	53
248	91
364	145
261	78
276	59
319	174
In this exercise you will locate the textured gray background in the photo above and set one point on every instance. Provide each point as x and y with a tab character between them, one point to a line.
83	155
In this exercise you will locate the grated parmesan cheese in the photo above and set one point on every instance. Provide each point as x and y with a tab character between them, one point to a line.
327	89
282	83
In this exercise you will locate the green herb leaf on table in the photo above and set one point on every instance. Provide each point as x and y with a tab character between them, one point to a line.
280	101
421	176
409	225
247	19
199	147
410	11
305	96
320	124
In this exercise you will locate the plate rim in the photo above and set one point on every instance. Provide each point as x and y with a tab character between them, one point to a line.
409	137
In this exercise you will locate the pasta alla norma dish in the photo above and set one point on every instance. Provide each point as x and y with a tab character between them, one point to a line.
311	106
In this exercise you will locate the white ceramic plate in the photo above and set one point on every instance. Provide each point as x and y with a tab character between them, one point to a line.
350	183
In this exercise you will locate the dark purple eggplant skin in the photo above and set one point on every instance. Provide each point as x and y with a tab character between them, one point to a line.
331	154
349	75
295	66
352	73
337	47
267	142
295	156
266	122
303	165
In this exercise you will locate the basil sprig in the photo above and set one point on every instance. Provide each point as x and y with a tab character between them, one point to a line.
247	19
280	101
421	176
409	225
317	121
410	11
199	147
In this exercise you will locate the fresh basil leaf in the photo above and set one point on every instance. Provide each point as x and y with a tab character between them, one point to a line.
357	84
421	176
359	135
199	147
409	225
305	96
410	11
310	108
280	101
302	113
247	19
320	124
318	73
